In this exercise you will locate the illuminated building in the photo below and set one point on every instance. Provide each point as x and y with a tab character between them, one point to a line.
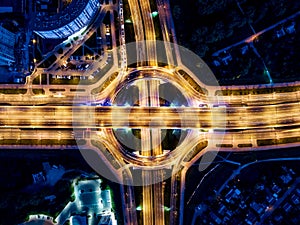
77	15
7	43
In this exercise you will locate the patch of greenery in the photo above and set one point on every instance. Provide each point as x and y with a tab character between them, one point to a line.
105	83
192	82
38	91
41	142
191	154
48	61
106	153
258	91
279	141
13	91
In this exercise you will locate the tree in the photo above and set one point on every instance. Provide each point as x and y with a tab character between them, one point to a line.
206	7
177	12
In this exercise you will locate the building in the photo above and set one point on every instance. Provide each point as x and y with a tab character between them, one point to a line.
78	220
89	200
290	29
226	58
215	218
12	6
39	219
50	198
38	178
251	218
258	208
46	167
77	15
105	220
286	178
7	45
232	194
105	194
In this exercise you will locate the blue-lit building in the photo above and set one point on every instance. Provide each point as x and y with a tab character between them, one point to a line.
7	44
10	6
77	15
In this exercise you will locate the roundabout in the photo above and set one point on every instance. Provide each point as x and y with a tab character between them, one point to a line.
159	117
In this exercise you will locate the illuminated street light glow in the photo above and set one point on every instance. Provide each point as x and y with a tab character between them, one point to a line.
153	75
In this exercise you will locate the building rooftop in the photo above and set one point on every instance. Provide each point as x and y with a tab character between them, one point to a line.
11	6
72	11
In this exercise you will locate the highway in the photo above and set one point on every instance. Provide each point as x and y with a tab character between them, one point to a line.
19	134
144	32
139	32
149	32
151	146
157	176
166	28
246	128
237	118
244	125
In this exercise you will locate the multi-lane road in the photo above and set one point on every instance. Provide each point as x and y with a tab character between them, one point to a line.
237	118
